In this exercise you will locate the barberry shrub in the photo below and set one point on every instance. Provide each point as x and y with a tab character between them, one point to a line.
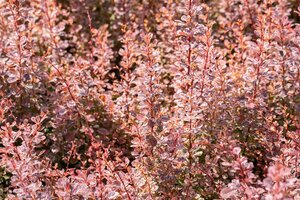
164	99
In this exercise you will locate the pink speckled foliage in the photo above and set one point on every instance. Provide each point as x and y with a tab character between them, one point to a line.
150	99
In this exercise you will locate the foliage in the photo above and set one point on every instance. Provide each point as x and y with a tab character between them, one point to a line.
162	99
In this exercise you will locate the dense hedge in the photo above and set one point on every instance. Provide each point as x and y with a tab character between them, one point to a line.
150	99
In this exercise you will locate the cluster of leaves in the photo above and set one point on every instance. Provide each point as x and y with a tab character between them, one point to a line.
150	99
